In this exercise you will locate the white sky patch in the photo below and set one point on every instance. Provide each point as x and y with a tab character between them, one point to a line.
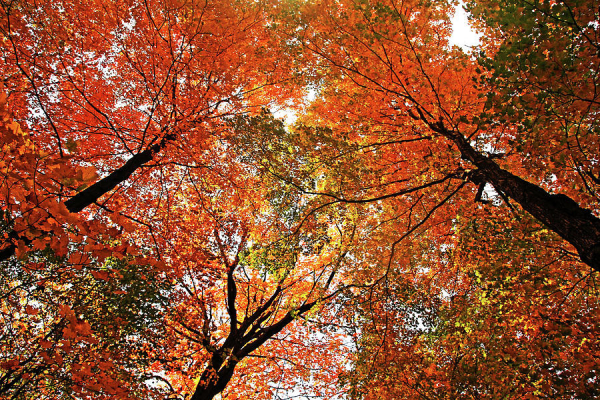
462	34
288	115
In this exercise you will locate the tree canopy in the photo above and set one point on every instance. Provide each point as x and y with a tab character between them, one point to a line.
425	225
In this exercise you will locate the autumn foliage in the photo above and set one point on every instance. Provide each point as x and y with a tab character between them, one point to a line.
272	199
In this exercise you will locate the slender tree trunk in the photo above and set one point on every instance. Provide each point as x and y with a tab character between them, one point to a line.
91	194
559	213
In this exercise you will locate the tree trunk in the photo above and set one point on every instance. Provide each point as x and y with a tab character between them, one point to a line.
559	213
91	194
210	385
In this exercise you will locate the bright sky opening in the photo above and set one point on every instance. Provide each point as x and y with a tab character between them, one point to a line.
462	34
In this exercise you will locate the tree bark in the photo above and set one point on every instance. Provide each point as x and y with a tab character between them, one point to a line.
212	387
91	194
216	376
558	212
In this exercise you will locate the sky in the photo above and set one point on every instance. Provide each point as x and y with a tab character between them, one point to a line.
462	34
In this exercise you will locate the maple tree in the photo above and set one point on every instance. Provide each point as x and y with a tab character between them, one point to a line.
432	211
124	106
260	303
395	87
53	295
421	133
111	87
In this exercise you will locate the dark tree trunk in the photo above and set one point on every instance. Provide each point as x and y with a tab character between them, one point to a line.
559	213
212	383
91	194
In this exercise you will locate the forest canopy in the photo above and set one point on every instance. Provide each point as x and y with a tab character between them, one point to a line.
426	225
